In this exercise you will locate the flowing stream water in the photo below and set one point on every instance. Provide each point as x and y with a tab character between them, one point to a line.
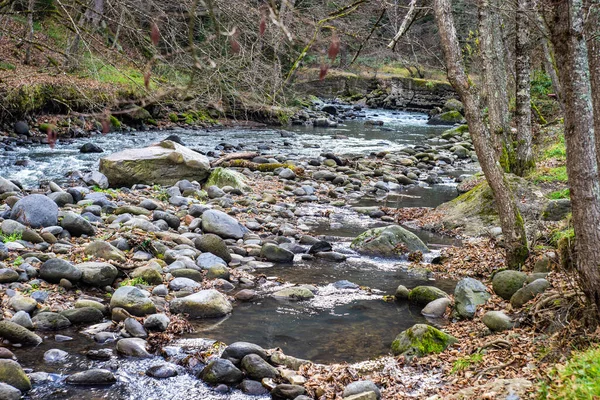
339	324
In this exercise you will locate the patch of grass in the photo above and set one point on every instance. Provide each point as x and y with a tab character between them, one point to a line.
466	362
127	76
579	378
557	150
550	174
134	282
18	261
562	235
13	237
5	66
559	194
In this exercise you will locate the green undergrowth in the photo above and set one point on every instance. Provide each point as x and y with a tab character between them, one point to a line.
559	194
134	282
557	150
466	362
550	174
579	378
13	237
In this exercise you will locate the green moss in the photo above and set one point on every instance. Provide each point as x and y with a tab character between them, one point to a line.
579	378
559	194
4	66
134	282
421	340
466	362
173	117
425	294
226	177
557	150
115	123
451	116
45	127
550	174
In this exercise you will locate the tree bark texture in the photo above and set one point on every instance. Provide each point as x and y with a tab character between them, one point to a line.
510	219
495	80
524	154
567	27
592	33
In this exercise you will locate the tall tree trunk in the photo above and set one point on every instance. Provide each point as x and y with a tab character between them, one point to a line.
29	31
593	43
567	27
510	219
524	154
495	80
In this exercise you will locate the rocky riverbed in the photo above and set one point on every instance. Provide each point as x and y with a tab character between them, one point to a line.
286	244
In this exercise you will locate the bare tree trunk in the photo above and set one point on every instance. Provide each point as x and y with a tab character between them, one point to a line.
510	219
548	52
406	22
567	27
593	43
29	31
495	80
524	154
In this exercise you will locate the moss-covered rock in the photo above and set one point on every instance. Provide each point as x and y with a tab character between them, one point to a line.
221	177
506	283
11	373
447	118
132	300
420	340
425	294
388	241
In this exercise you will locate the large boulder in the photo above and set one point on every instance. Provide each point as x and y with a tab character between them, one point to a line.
50	321
12	374
257	368
17	334
235	352
529	292
388	241
420	340
203	304
133	300
506	283
56	269
272	252
162	163
98	274
221	224
92	377
221	177
77	225
35	210
497	321
468	294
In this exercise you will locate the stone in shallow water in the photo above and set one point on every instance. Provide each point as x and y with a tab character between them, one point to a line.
162	371
203	304
55	356
8	392
92	377
221	371
15	333
133	347
12	374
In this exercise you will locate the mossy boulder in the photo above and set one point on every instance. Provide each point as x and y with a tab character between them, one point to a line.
163	163
15	333
447	118
506	283
221	371
455	132
132	300
221	177
148	274
295	293
420	340
211	243
529	292
12	374
454	105
424	295
388	241
203	304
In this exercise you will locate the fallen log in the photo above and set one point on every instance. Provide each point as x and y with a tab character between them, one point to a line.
262	167
246	155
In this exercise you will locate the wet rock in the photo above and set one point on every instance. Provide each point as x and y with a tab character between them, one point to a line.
221	371
211	243
468	294
245	295
56	269
83	315
8	186
100	355
506	283
218	272
420	340
344	284
162	371
436	308
12	374
296	293
133	300
15	333
6	353
55	356
529	292
35	210
90	148
235	352
203	304
134	328
162	163
8	392
104	250
293	363
50	321
221	224
359	387
97	274
148	274
157	322
387	242
257	368
22	303
21	128
92	377
285	391
253	388
424	295
133	347
77	225
272	252
497	321
446	118
320	246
